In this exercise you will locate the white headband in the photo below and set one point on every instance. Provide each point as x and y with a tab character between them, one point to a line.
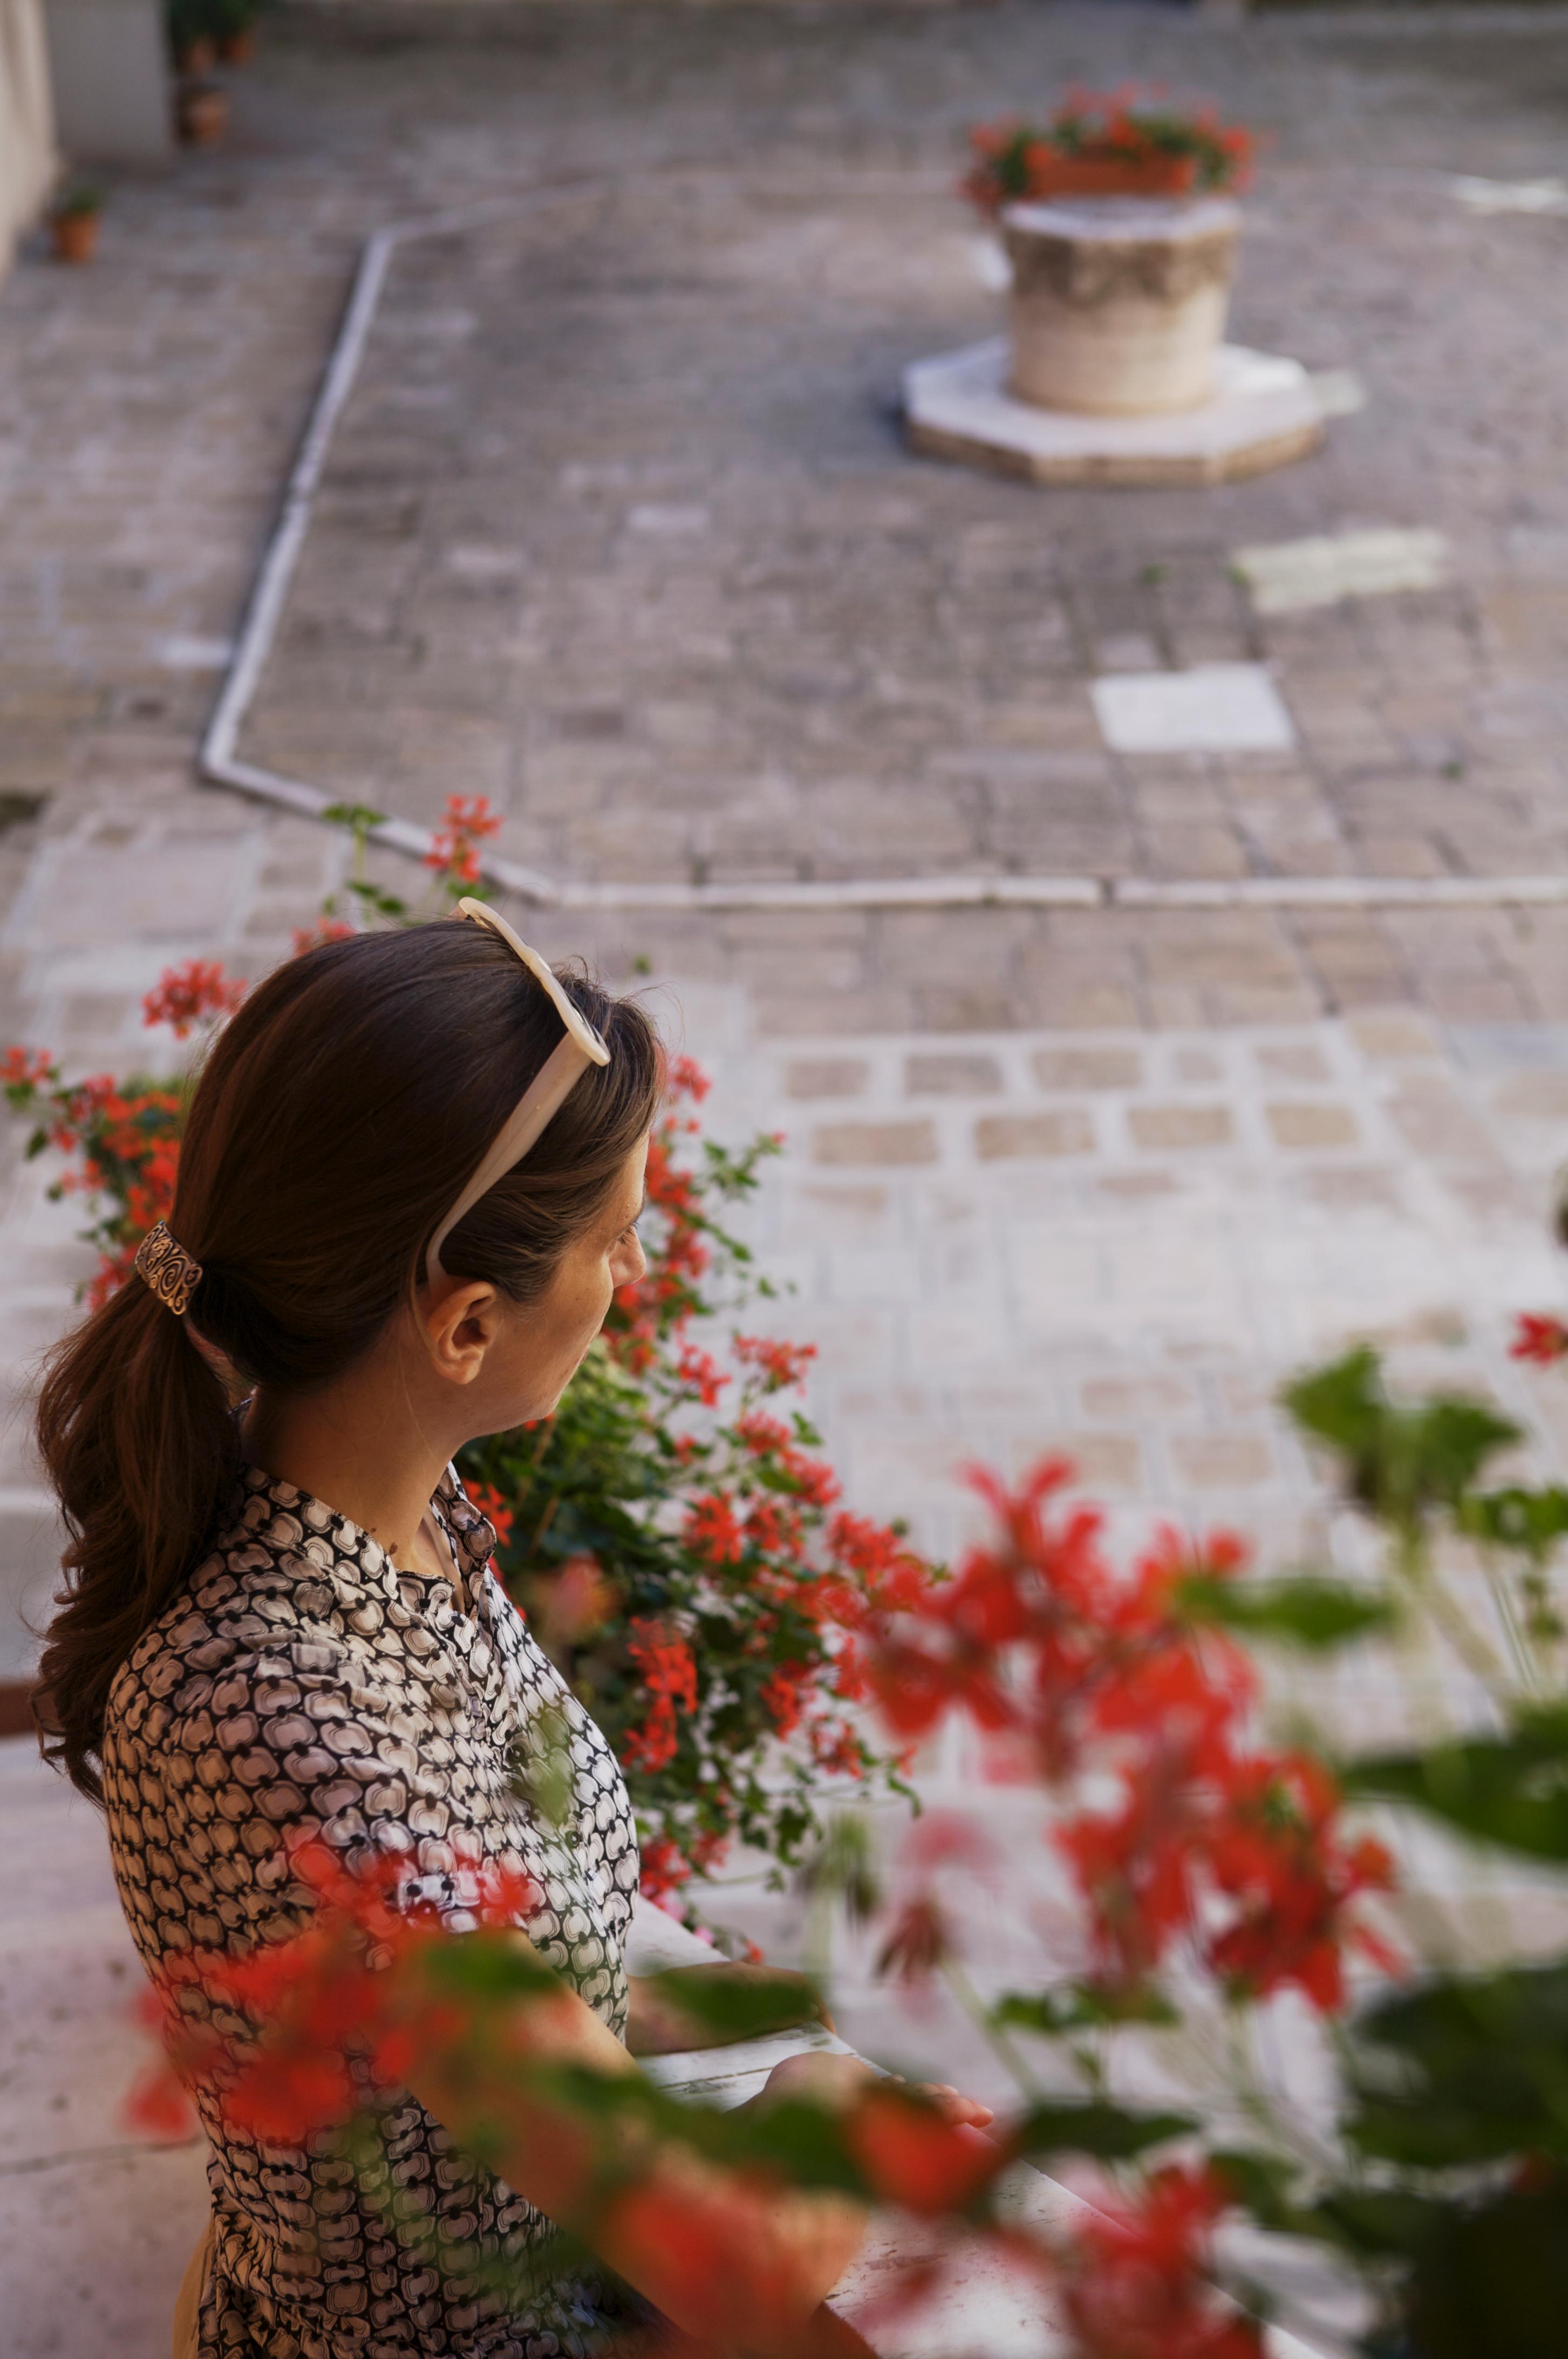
578	1047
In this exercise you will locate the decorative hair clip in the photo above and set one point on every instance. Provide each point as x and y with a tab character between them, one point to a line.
167	1269
579	1046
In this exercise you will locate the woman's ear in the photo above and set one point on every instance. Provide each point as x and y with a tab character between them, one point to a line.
460	1327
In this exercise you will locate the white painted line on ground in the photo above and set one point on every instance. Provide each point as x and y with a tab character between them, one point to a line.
1224	708
179	653
1510	196
1287	576
219	764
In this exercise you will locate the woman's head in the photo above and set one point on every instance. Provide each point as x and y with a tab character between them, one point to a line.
339	1116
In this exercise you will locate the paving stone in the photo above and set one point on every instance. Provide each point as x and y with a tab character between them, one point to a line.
1087	1069
1184	1127
1312	1125
1070	1131
827	1077
874	1142
1222	1462
959	1075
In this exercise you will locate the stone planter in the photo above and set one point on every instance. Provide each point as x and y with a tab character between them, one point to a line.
1118	306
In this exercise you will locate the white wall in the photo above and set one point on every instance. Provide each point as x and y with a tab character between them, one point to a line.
27	124
110	70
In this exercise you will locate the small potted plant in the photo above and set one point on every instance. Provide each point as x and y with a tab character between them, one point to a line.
234	30
1105	147
74	220
191	36
1116	220
201	113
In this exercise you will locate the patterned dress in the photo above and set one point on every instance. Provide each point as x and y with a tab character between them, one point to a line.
302	1681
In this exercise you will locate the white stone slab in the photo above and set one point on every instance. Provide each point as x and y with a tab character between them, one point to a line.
1287	575
180	653
1264	412
1340	392
1510	196
1213	709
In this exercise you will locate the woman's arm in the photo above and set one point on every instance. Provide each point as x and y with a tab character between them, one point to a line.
724	2259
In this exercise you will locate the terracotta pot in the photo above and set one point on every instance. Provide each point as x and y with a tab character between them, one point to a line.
75	236
1111	175
196	56
201	114
238	48
1118	307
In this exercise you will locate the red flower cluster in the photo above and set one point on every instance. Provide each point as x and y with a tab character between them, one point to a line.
1135	2284
1537	1337
454	847
670	1679
1236	1851
197	993
327	2015
1106	143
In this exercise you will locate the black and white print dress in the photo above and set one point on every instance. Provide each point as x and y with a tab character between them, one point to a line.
304	1682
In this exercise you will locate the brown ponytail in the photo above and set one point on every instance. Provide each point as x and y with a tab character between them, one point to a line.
338	1116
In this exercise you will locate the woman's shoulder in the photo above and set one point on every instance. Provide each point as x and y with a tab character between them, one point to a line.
273	1612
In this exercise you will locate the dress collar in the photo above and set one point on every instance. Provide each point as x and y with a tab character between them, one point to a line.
299	1524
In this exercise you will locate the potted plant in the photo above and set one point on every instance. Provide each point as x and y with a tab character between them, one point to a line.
1105	147
191	42
1117	221
201	113
234	30
74	220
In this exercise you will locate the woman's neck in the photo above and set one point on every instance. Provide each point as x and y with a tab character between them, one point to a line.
359	1446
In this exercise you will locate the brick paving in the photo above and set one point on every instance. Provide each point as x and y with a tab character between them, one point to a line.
618	530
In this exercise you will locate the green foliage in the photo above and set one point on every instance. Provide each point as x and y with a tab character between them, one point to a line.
1306	1612
1468	2070
1401	1463
1110	2133
1511	1791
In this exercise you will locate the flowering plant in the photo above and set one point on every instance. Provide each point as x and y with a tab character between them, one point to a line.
671	1530
1105	144
1220	1903
679	1546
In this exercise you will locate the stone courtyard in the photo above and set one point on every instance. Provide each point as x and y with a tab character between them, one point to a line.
617	528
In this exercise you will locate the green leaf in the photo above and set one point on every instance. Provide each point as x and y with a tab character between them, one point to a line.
1532	1522
1080	2006
1469	2069
358	815
1396	1462
1511	1791
1109	2132
1261	2184
733	2007
1307	1612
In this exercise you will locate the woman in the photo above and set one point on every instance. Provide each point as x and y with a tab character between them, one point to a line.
408	1188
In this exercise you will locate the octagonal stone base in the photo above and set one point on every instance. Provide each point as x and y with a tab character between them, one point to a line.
1263	411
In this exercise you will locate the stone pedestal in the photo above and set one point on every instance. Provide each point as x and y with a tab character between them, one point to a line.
1118	305
1264	410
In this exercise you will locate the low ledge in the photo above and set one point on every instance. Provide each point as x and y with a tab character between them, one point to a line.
1264	413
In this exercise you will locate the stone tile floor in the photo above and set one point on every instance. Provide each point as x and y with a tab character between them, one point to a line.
618	530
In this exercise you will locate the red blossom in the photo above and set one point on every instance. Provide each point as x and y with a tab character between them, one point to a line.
1137	2285
714	1530
668	1678
454	847
782	1364
325	930
196	992
913	2158
1540	1338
